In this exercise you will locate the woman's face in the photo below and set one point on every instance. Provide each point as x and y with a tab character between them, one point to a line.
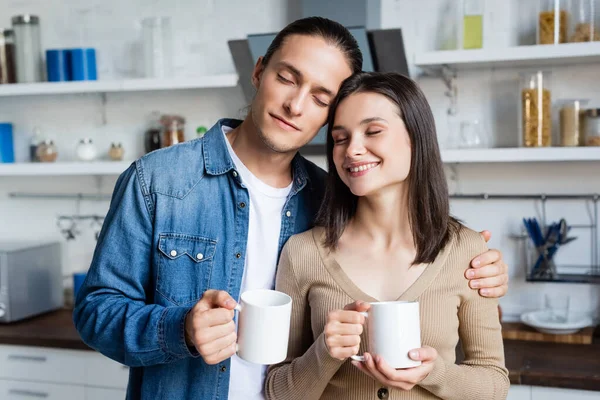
372	149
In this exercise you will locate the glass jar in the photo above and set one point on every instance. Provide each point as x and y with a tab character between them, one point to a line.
47	151
472	25
536	109
157	47
553	19
592	127
582	27
7	57
571	118
173	130
28	48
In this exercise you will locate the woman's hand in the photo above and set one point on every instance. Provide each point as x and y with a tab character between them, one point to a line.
404	379
343	330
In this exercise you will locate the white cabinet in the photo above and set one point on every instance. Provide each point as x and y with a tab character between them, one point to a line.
519	392
38	372
104	394
544	393
22	390
103	372
42	364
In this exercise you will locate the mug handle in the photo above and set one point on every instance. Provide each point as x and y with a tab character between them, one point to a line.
239	309
360	358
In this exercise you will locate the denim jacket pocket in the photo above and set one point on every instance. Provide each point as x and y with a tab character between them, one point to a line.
184	266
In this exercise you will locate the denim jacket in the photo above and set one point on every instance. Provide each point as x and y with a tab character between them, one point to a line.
176	227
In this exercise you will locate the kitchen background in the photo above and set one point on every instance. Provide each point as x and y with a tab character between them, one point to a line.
201	28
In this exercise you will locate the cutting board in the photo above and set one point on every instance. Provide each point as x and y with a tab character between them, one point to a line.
519	331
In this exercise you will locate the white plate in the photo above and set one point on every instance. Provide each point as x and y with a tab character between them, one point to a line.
543	322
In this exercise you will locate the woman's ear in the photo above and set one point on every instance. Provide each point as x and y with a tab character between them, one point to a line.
257	72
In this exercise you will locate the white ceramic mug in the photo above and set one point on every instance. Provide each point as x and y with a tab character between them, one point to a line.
394	329
264	326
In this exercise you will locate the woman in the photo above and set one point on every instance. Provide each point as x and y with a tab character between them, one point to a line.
385	233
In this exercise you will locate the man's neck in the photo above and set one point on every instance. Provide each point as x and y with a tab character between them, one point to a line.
274	169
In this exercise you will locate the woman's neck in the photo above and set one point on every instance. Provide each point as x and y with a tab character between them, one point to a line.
384	219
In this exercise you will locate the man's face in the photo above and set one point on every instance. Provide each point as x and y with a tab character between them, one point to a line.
294	91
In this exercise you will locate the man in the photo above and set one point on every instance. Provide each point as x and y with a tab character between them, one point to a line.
176	249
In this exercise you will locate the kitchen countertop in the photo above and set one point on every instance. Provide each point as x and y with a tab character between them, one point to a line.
570	366
54	329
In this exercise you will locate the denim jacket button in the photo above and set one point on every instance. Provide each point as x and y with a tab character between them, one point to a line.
234	174
173	253
199	256
238	255
288	214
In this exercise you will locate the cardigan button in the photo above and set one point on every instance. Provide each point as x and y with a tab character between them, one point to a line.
383	393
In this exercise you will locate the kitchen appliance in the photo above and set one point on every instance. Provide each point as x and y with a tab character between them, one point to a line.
30	279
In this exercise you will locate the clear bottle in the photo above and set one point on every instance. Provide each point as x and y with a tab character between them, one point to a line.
472	26
553	19
536	109
28	48
33	145
582	27
152	139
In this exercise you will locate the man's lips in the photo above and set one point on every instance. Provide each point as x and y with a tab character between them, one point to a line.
284	123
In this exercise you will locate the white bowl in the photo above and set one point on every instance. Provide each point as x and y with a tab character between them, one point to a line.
542	321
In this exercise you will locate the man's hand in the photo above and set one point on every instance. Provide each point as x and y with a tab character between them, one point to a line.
210	328
488	272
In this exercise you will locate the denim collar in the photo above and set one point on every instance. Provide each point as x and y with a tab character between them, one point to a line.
217	160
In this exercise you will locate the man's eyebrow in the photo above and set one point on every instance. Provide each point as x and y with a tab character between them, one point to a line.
298	74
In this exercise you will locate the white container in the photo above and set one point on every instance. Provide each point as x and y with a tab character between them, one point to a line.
86	150
157	47
28	48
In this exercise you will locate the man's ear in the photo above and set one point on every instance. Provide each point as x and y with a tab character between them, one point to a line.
257	73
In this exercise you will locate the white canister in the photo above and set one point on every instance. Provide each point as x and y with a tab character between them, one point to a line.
28	48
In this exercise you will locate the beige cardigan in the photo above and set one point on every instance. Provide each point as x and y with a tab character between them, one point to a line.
449	310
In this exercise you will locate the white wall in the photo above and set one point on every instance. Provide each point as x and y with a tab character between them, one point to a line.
202	29
492	96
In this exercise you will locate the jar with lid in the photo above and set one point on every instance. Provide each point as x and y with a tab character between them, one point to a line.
472	24
28	48
571	119
592	127
582	27
7	57
536	109
553	19
47	151
173	130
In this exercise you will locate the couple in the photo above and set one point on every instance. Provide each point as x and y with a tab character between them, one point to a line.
177	248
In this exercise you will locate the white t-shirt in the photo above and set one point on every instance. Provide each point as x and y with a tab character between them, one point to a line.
266	206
